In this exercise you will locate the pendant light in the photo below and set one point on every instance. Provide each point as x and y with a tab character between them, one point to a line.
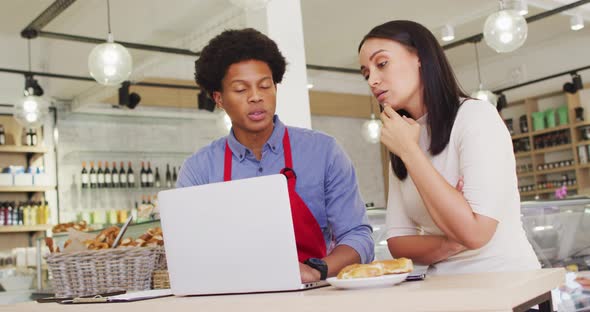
481	93
447	33
371	129
576	22
505	30
109	63
30	110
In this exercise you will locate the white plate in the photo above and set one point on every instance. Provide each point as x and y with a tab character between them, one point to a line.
379	281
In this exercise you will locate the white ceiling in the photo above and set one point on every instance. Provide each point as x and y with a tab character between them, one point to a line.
332	30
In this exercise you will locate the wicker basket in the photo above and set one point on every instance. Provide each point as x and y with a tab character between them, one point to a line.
161	279
97	271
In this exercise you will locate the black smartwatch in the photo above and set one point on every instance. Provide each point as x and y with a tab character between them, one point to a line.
319	265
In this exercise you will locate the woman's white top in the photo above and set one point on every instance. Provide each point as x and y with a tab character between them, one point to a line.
480	150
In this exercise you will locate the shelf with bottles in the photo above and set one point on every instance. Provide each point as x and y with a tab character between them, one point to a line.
125	178
134	155
24	214
570	190
552	149
523	154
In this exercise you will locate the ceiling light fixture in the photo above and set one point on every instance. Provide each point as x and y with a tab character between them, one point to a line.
371	129
575	85
502	102
447	33
520	6
30	111
505	30
576	22
127	99
110	63
481	93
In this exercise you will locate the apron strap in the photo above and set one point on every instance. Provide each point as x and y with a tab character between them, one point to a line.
227	163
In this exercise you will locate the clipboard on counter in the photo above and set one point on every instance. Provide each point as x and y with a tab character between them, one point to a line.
127	297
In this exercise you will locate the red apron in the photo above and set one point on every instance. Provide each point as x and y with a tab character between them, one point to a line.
308	234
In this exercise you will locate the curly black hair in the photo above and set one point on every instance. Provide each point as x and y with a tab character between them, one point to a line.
234	46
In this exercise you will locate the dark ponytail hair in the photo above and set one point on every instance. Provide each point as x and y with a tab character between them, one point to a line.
442	93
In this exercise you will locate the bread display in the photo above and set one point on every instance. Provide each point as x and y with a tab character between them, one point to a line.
376	268
105	239
63	227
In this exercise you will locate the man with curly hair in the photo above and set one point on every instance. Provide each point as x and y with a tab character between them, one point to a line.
240	70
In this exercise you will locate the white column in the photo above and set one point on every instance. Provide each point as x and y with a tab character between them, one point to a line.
281	21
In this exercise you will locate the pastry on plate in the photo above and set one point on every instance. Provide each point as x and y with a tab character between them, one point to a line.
361	270
396	266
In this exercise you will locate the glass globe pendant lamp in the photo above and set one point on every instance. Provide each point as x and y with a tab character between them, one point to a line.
371	130
505	30
110	63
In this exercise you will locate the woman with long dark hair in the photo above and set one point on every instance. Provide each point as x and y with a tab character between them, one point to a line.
453	196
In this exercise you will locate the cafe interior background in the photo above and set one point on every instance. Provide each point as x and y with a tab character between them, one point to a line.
69	120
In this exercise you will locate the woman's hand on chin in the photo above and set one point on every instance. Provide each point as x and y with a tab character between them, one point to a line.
400	134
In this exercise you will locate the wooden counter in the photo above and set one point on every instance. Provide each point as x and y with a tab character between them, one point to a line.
472	292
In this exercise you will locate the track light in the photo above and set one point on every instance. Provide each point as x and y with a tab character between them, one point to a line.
127	99
447	33
576	22
575	85
32	86
205	102
520	6
501	102
30	111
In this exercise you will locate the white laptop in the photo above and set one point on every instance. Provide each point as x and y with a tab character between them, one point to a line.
231	237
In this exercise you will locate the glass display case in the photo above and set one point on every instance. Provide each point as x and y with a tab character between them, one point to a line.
559	231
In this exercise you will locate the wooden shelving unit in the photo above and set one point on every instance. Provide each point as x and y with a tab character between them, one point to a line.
546	191
555	170
22	149
24	228
558	148
15	154
536	157
25	189
550	130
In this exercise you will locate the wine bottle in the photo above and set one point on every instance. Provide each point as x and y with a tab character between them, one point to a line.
108	179
168	177
114	176
84	175
150	175
100	175
157	178
130	176
143	176
174	176
122	176
93	178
